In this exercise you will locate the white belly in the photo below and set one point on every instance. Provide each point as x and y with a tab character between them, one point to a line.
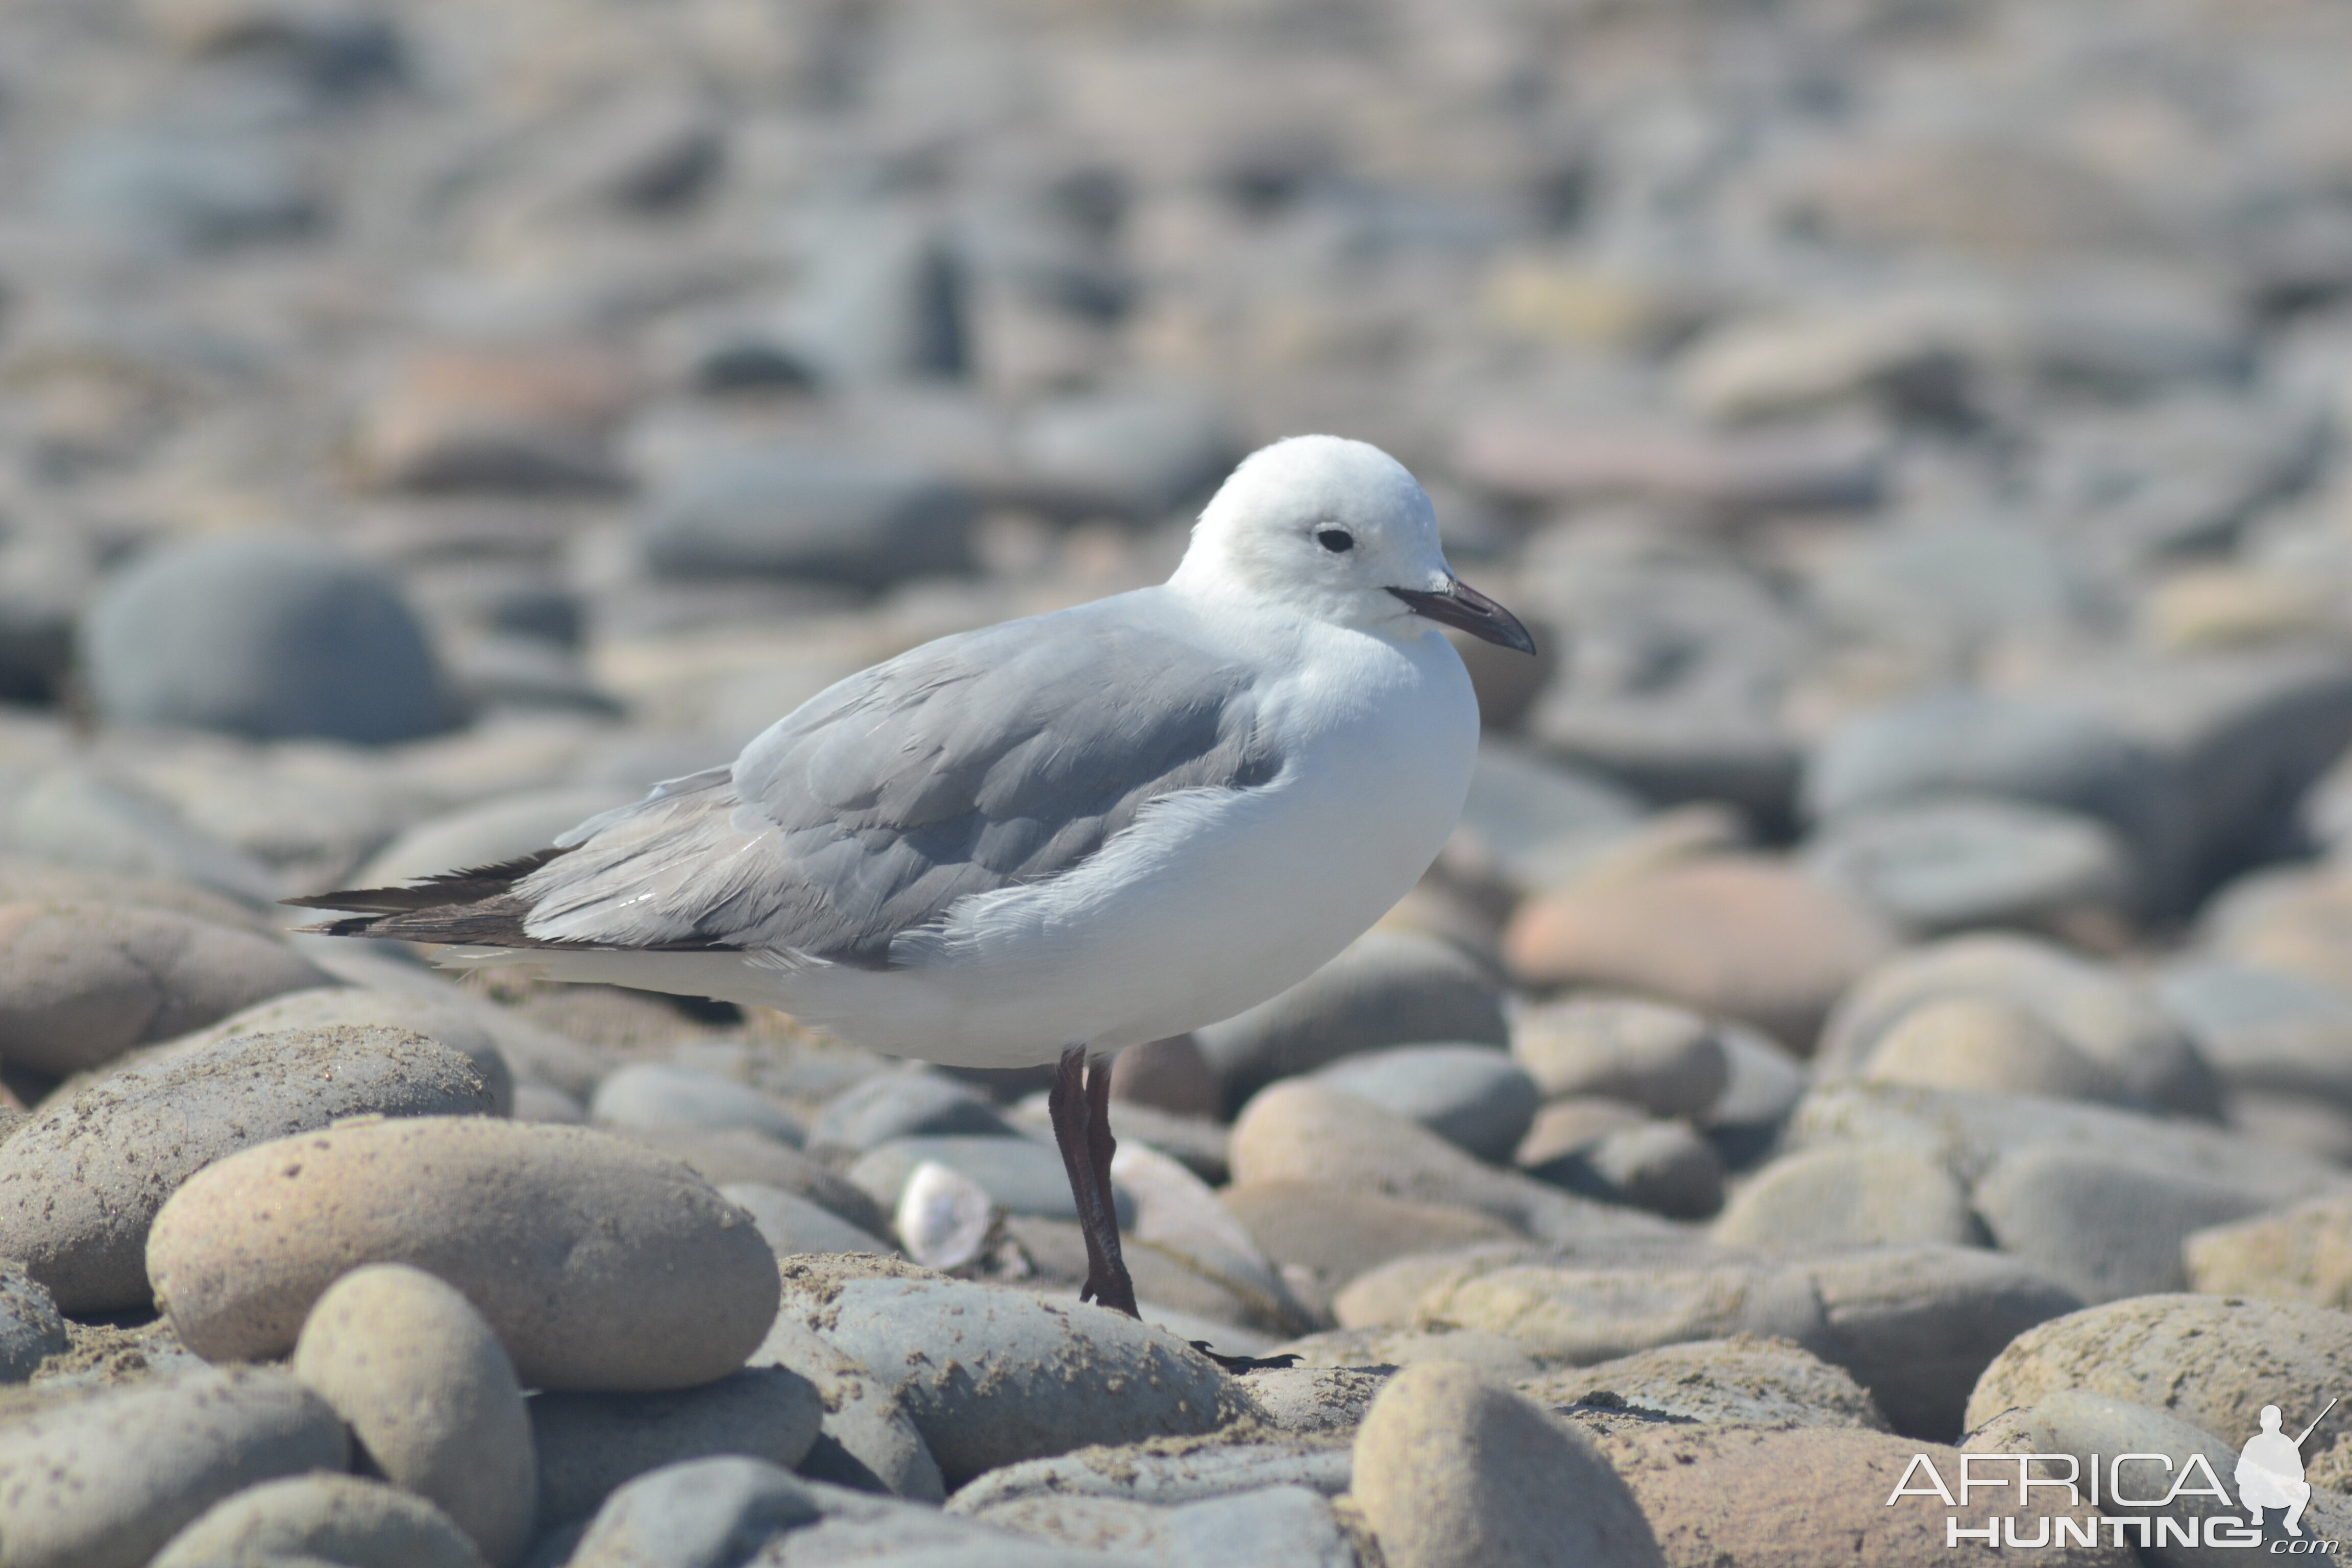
1210	902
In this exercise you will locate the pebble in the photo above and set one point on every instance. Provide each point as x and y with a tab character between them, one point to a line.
104	1481
1744	937
1473	1096
833	516
1915	1325
1842	1195
588	1445
79	985
2150	1448
1002	1375
1665	1167
1989	1044
856	1526
790	1223
74	818
903	1105
1378	1351
1813	1498
430	1398
1536	821
2106	1227
2034	748
2213	1361
698	1514
1165	1472
1134	454
1388	988
1563	1127
519	418
1325	1233
735	1156
81	1184
1021	1175
2114	1023
1742	1381
1936	866
1314	1400
340	1519
867	1439
1451	1469
1666	1059
2267	1032
1970	1133
598	1265
1307	1132
1171	1075
266	637
444	1023
2301	1253
30	1328
662	1094
1275	1527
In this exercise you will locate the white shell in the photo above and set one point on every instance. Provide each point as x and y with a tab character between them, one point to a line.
944	1216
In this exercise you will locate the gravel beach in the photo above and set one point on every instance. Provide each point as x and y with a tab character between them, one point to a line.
1870	1075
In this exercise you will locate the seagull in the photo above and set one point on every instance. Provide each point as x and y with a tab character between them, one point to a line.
1046	840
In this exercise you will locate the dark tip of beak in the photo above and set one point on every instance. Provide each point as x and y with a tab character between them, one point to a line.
1463	607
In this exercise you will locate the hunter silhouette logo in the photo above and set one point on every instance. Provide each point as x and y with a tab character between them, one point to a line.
2270	1470
2152	1500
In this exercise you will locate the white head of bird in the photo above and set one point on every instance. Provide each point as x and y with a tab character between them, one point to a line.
1338	531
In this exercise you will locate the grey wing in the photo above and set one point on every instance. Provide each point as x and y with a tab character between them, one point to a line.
996	758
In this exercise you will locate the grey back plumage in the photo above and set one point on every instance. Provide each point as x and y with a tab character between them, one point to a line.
995	758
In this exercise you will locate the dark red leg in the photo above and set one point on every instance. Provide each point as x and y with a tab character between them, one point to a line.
1079	1105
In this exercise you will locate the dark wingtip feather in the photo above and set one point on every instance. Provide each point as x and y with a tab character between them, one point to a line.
438	891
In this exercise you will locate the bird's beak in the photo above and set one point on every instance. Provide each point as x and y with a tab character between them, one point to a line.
1460	606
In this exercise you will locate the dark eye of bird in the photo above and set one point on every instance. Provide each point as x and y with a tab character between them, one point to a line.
1335	540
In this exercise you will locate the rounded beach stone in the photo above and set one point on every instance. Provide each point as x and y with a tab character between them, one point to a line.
2106	1017
1813	1497
1668	1060
1306	1130
2298	1254
430	1396
867	1440
1985	1043
345	1520
1171	1075
30	1328
2213	1361
1952	865
1472	1096
725	1158
1742	936
2105	1226
598	1264
895	1105
789	1222
1847	1195
1451	1469
80	985
1388	988
103	1482
267	637
1665	1167
1324	1234
1744	1380
590	1443
703	1513
80	1185
328	1005
993	1376
662	1094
